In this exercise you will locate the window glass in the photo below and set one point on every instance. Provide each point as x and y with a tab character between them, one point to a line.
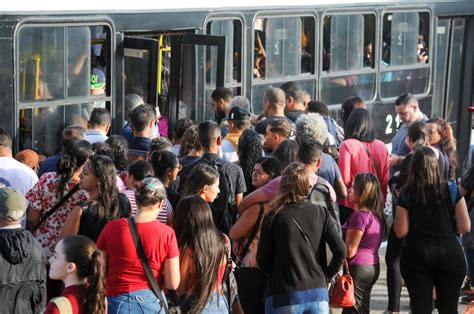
79	52
334	90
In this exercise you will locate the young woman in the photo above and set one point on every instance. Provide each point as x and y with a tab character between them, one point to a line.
128	289
266	169
441	137
166	166
286	152
363	233
430	212
79	264
202	181
105	202
137	171
361	152
190	149
288	249
249	150
203	258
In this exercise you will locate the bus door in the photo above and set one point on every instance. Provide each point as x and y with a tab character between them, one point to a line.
190	70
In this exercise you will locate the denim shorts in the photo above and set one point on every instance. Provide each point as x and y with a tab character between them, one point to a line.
140	301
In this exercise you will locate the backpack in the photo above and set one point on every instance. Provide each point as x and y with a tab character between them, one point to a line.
321	196
223	207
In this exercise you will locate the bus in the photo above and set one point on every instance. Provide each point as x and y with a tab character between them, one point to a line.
174	54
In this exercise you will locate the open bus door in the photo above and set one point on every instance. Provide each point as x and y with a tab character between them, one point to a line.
187	77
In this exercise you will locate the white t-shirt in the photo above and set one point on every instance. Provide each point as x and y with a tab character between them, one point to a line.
229	151
20	176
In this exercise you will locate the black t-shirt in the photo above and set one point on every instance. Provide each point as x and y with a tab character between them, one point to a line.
294	115
467	183
438	223
261	127
172	196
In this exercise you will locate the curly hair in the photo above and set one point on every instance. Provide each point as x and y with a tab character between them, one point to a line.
189	141
250	149
119	147
312	125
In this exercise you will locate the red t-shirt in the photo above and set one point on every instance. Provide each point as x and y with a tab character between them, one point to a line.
124	269
75	294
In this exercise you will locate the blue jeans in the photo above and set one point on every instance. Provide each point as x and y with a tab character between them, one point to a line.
316	307
217	304
140	301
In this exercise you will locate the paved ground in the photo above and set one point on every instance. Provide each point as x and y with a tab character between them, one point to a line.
379	299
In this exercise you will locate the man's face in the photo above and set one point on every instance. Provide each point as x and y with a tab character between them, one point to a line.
218	107
407	113
271	140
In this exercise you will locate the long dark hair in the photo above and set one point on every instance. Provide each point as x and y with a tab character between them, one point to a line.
418	134
71	161
369	194
447	143
294	187
360	126
426	187
119	147
90	265
271	166
200	176
286	152
108	203
250	148
196	231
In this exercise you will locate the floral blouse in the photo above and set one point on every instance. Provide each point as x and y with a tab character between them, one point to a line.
42	197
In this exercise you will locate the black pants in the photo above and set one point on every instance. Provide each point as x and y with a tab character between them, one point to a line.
364	279
394	276
428	262
251	286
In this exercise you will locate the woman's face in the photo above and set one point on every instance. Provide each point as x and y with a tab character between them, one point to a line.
59	266
433	133
259	176
409	142
88	181
210	192
173	172
352	195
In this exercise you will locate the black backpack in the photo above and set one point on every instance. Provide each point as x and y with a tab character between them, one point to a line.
223	207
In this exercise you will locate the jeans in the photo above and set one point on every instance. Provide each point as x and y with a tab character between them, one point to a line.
316	307
140	301
217	304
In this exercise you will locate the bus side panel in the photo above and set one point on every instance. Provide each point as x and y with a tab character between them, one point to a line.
7	103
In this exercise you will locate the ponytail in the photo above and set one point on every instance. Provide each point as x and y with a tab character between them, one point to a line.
95	295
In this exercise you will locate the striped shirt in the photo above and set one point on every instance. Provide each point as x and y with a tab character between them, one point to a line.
164	213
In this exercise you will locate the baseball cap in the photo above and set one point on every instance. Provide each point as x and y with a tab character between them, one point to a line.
28	157
239	113
97	79
12	204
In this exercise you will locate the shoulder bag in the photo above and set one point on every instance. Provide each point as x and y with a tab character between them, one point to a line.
341	293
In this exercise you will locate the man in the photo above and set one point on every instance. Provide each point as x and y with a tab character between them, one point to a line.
209	136
70	135
220	99
22	264
407	108
239	121
97	82
98	126
294	100
143	119
132	101
274	109
20	176
277	131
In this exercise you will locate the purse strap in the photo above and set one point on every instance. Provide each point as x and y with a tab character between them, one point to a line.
56	206
146	266
252	235
371	159
306	237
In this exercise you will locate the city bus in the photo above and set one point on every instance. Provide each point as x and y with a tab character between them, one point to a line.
174	54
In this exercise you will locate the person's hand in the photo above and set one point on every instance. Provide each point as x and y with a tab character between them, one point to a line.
395	160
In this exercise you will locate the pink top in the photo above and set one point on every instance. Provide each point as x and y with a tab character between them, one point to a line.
353	159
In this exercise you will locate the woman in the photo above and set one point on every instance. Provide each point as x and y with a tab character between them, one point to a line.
430	212
203	258
348	105
249	150
190	149
79	264
105	202
288	249
266	169
128	289
166	166
286	152
202	181
363	233
361	152
441	137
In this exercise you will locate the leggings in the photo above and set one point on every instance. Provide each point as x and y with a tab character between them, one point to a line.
394	276
364	277
428	262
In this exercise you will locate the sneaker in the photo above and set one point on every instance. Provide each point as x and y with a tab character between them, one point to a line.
467	299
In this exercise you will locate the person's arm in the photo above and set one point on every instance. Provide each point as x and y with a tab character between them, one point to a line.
238	198
353	238
401	223
385	172
344	163
256	197
340	188
72	223
32	218
266	244
171	273
245	223
336	245
463	223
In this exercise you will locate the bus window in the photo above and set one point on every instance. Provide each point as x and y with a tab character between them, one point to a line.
232	29
56	66
405	53
348	57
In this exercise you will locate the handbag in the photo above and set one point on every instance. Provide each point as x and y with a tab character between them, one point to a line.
149	273
341	293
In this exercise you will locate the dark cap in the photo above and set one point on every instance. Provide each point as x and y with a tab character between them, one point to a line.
239	114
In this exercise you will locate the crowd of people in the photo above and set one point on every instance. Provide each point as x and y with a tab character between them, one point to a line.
244	214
